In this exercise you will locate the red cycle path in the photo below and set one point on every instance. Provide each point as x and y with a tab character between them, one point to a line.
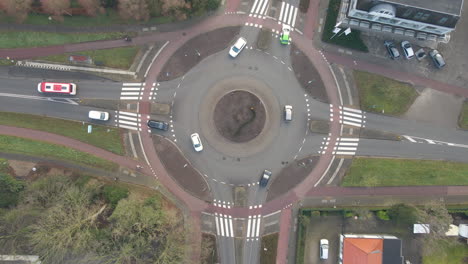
177	39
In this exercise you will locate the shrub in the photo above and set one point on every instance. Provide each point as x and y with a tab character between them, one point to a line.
113	194
315	213
348	214
383	215
212	5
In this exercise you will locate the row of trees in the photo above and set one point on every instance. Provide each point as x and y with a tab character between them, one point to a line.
140	10
63	222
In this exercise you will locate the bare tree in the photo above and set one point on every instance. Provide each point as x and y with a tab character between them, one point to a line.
92	7
56	8
134	9
435	214
18	9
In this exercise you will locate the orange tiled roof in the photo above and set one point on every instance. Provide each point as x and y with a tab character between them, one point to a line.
362	251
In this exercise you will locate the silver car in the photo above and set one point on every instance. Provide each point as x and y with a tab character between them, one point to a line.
437	58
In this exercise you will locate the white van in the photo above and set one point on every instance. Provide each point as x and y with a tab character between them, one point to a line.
98	115
288	112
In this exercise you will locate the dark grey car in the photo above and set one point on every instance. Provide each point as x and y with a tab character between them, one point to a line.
265	178
158	125
392	50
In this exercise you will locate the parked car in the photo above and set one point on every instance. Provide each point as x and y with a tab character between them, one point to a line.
288	112
284	37
265	178
196	142
98	115
392	50
57	88
407	49
324	249
237	47
158	125
437	58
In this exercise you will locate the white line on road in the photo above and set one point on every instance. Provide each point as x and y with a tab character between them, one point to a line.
352	110
410	139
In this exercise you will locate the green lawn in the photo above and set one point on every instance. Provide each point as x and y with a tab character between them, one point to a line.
269	242
24	39
463	122
103	137
18	145
378	93
457	254
111	17
352	40
400	172
120	58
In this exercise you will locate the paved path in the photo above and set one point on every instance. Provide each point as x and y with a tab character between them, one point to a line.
283	239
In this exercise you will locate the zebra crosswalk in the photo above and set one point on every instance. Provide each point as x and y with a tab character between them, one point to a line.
224	225
352	117
259	8
132	91
128	120
346	146
288	14
253	227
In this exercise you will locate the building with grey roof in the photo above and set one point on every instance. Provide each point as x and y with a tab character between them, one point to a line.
422	19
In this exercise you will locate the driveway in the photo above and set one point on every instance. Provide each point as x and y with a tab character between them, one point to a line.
328	227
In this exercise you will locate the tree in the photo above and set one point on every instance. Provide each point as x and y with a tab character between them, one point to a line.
134	9
67	227
92	7
435	214
10	189
18	9
404	216
56	8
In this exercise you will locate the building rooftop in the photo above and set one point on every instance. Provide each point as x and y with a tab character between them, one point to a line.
453	7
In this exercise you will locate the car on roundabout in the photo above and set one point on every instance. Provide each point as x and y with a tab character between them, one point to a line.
285	35
237	47
156	124
196	142
288	113
266	175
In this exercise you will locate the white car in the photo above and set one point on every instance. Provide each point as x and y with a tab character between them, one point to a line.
237	47
98	115
288	112
407	49
323	249
196	142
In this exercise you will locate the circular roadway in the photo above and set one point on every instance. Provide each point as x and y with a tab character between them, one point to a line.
258	72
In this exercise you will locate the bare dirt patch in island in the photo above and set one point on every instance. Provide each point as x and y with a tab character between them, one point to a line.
239	116
307	76
195	50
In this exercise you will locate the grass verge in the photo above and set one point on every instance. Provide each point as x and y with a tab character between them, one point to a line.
352	40
26	39
463	120
371	172
11	144
110	17
383	95
268	248
120	58
454	254
103	137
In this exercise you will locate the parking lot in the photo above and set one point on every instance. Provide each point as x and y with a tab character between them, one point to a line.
328	227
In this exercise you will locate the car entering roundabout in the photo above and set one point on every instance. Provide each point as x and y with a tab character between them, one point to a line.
265	178
284	37
237	47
